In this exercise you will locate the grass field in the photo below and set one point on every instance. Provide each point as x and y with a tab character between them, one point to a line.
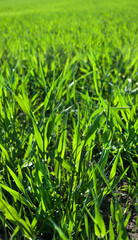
68	119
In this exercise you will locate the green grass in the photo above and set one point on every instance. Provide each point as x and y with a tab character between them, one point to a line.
68	119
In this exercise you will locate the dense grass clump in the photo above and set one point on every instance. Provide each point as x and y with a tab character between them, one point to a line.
68	119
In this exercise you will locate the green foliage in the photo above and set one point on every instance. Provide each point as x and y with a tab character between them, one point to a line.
68	119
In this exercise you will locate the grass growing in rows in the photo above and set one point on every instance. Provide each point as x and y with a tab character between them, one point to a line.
68	120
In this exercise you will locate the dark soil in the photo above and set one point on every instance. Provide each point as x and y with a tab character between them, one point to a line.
1	237
123	200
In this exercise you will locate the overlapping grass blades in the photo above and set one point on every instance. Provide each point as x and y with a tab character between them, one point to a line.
68	121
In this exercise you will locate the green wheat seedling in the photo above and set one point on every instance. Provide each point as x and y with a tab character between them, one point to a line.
68	120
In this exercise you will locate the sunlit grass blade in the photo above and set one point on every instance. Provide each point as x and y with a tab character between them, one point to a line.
16	195
9	212
86	225
111	231
114	167
38	136
92	129
58	229
99	227
19	185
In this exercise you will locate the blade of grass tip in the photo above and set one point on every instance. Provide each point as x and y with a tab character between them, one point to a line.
127	219
114	167
111	231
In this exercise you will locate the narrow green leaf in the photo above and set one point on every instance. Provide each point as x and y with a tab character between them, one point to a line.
17	181
94	181
105	179
64	163
9	212
86	225
29	147
5	152
100	229
24	106
127	219
61	234
37	216
38	137
28	231
112	209
93	219
91	58
103	159
113	170
111	231
43	78
92	129
16	195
